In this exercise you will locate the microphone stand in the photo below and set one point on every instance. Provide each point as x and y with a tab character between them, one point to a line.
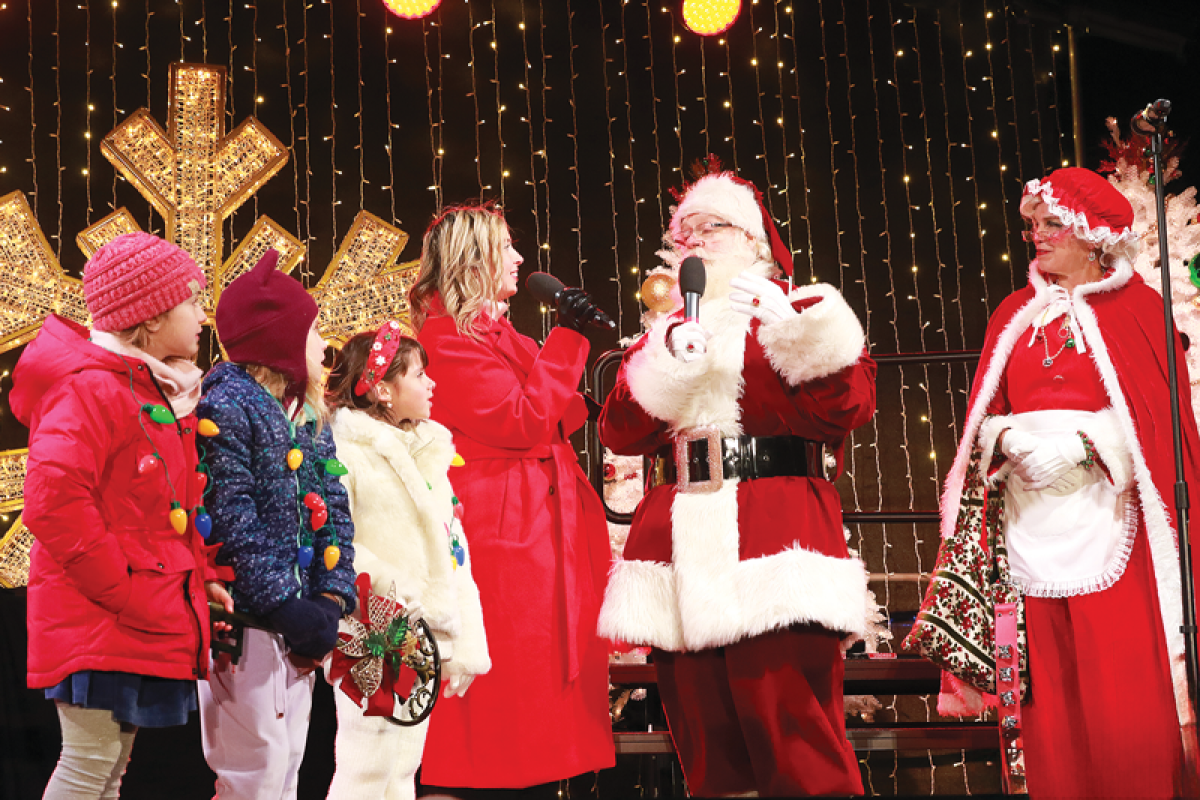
1153	126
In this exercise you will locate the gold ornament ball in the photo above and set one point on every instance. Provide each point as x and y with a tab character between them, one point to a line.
411	9
710	17
656	292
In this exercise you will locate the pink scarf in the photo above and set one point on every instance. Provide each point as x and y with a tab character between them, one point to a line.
178	377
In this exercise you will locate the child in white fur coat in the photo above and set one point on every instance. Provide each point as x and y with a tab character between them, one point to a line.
407	534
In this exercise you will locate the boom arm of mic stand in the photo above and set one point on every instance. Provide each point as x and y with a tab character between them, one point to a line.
1181	487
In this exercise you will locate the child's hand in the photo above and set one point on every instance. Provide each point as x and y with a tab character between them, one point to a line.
217	593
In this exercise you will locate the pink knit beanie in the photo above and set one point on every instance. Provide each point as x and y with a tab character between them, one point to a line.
136	277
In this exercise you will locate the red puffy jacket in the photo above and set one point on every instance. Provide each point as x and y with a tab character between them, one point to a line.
112	587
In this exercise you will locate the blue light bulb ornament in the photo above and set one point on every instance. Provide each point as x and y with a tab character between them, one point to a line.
203	522
460	555
304	555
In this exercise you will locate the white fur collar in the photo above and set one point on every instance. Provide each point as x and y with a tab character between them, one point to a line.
428	444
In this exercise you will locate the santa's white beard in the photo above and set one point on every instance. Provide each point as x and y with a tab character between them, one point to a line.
719	270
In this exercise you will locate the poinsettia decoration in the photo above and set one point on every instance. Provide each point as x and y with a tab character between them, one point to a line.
385	652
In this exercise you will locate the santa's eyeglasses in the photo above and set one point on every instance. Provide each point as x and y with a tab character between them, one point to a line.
703	231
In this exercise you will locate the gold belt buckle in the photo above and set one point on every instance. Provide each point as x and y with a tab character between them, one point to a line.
683	477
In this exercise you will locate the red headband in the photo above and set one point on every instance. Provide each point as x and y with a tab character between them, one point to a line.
387	341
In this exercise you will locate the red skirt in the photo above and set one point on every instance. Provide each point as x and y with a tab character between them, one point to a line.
1102	719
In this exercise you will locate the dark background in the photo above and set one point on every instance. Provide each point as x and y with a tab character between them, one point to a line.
603	111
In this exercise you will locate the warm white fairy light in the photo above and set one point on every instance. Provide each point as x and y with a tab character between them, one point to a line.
612	178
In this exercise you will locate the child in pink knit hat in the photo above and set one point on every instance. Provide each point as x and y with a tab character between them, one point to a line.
119	577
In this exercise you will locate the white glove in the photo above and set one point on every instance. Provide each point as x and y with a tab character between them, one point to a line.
688	341
456	679
759	297
1048	464
1018	444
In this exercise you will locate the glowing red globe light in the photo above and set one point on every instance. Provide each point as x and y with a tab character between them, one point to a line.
710	17
411	9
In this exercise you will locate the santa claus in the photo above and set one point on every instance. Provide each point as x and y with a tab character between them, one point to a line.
736	570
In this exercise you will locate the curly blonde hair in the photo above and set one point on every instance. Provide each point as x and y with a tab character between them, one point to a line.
462	261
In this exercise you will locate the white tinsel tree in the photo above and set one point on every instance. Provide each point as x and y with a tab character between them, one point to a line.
1132	172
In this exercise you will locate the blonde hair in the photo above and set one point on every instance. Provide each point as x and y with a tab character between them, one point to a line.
276	383
138	336
461	260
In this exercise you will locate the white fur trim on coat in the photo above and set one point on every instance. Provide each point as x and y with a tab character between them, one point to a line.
1161	535
822	339
704	392
400	501
1105	431
710	598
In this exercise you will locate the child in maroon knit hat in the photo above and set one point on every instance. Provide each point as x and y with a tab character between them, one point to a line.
293	560
118	614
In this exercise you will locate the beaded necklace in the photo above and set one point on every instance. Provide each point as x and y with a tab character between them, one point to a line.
164	416
314	502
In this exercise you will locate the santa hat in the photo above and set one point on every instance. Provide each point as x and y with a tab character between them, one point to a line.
136	277
1089	205
734	200
263	317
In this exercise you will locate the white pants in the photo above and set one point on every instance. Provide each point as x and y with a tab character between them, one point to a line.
254	721
95	752
376	759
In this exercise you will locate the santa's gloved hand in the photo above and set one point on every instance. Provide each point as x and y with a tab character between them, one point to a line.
309	627
755	296
456	679
687	341
1053	458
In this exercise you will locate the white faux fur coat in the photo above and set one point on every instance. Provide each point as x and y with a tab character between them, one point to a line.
401	503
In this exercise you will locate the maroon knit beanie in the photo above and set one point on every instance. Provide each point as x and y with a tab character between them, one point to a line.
136	277
263	318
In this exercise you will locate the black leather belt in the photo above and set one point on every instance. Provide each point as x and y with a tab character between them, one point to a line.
743	457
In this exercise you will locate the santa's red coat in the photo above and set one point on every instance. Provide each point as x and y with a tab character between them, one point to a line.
706	570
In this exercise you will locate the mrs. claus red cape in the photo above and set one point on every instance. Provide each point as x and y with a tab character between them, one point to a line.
1122	324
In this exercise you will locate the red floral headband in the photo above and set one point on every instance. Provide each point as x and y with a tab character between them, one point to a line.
387	341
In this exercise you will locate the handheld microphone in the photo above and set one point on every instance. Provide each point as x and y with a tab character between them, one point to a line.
692	278
1151	118
546	288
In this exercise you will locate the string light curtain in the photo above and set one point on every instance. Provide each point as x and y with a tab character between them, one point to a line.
887	138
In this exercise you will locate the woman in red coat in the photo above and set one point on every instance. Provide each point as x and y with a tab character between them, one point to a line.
537	529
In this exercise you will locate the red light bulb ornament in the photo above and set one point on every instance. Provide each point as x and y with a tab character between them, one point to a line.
411	9
147	463
710	17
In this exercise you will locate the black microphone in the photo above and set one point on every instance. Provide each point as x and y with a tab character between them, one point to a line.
692	278
546	288
1151	118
